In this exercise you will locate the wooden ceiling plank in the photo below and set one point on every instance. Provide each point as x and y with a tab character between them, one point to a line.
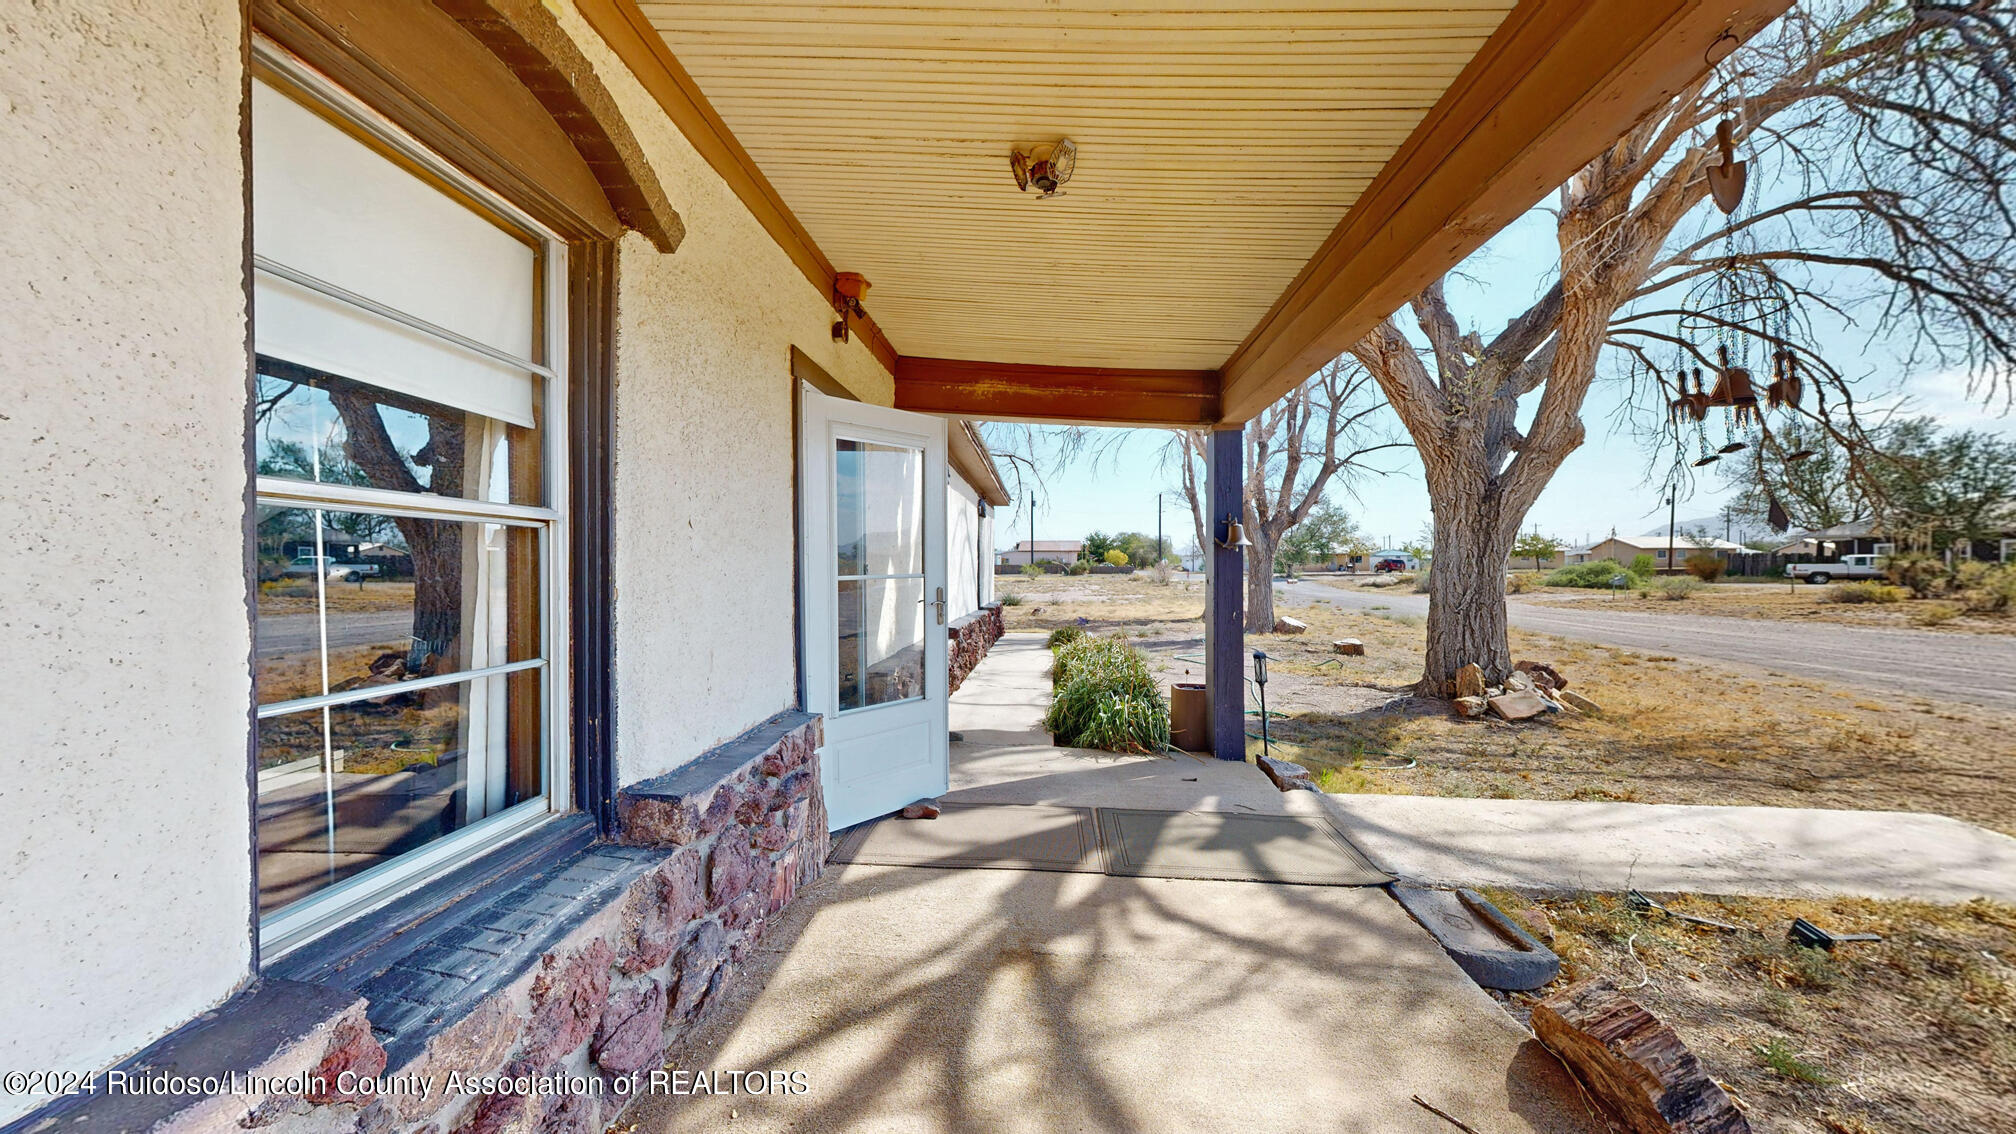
1559	81
643	50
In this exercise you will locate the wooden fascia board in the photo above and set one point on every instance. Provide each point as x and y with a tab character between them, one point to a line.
623	26
995	391
967	451
1557	82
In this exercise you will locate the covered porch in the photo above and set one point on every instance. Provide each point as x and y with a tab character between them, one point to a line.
948	998
1245	189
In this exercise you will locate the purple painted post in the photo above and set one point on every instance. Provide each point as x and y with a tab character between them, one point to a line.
1224	594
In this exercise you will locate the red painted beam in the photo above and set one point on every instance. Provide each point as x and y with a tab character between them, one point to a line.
999	391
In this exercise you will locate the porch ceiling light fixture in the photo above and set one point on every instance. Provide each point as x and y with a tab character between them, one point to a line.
1046	167
848	288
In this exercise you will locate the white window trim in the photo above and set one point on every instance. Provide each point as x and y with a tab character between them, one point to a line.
302	921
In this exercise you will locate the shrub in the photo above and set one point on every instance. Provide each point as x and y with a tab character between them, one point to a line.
1934	614
1706	567
1864	591
1642	565
1674	588
1117	557
1009	598
1518	583
1064	636
1593	576
1032	571
1079	568
1161	573
1421	582
1986	589
1917	571
1106	698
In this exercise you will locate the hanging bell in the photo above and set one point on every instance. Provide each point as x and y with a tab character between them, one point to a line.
1697	402
1734	389
1785	382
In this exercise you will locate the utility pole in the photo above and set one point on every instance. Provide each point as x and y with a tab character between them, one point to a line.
1672	510
1158	527
1032	529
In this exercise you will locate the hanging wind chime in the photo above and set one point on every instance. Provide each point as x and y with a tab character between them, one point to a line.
1736	307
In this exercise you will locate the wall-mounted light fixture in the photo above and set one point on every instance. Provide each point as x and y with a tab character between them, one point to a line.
1235	535
848	288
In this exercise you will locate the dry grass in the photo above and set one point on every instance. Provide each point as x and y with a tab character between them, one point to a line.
1671	732
1788	603
297	596
285	677
1915	1033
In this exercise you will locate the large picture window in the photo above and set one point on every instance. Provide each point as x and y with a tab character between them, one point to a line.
408	530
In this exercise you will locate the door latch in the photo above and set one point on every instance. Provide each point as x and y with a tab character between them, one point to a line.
939	602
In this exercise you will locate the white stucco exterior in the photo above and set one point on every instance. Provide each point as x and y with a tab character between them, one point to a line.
969	556
704	538
126	880
124	654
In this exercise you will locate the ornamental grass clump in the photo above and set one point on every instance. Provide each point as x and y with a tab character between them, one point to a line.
1106	698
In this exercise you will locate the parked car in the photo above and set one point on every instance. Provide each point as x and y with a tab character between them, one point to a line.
1385	565
307	564
1850	567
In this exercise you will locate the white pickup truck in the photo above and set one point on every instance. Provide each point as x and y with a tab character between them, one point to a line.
1850	567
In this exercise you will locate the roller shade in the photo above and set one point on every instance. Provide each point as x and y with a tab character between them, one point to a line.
328	206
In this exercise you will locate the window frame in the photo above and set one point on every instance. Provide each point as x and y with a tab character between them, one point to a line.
867	435
304	920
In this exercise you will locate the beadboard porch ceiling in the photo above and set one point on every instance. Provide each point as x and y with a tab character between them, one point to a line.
1218	146
1258	181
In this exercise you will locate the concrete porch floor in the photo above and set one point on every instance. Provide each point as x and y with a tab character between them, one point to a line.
917	999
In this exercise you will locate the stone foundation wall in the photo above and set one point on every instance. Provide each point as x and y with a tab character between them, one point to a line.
971	637
708	854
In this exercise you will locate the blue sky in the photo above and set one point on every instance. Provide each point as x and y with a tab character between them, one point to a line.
1602	486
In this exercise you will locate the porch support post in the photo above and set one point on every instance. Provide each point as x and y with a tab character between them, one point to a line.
1224	594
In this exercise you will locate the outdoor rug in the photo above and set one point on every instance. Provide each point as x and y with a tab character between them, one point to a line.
1118	841
1238	848
1020	837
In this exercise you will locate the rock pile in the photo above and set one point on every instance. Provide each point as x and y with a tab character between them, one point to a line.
1531	690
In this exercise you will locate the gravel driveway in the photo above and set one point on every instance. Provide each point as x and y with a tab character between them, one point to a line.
1976	668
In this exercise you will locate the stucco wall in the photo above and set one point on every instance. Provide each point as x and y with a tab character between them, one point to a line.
965	547
704	536
124	635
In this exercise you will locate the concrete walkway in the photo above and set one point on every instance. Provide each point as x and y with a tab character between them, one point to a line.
921	999
1774	851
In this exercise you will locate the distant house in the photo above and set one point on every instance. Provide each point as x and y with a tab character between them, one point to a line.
1026	552
1623	549
1864	537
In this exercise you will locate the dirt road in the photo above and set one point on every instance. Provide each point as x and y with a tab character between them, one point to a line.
1977	668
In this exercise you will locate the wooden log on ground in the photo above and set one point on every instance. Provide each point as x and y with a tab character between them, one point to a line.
1634	1064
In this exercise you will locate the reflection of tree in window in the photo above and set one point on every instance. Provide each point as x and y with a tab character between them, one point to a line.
368	457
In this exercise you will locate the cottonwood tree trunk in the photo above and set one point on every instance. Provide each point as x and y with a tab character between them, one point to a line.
1319	434
1260	577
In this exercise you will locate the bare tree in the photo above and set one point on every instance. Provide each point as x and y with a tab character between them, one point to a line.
1296	449
1878	133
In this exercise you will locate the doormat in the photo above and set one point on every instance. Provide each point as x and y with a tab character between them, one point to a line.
1232	847
1001	837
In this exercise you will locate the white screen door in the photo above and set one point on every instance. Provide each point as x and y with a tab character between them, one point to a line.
874	579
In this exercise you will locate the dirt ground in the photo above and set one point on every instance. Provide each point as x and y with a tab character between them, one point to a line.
1670	732
1913	1033
1783	602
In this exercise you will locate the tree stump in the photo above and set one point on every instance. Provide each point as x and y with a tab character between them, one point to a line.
1634	1064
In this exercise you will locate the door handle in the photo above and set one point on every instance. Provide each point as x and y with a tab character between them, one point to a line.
939	602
